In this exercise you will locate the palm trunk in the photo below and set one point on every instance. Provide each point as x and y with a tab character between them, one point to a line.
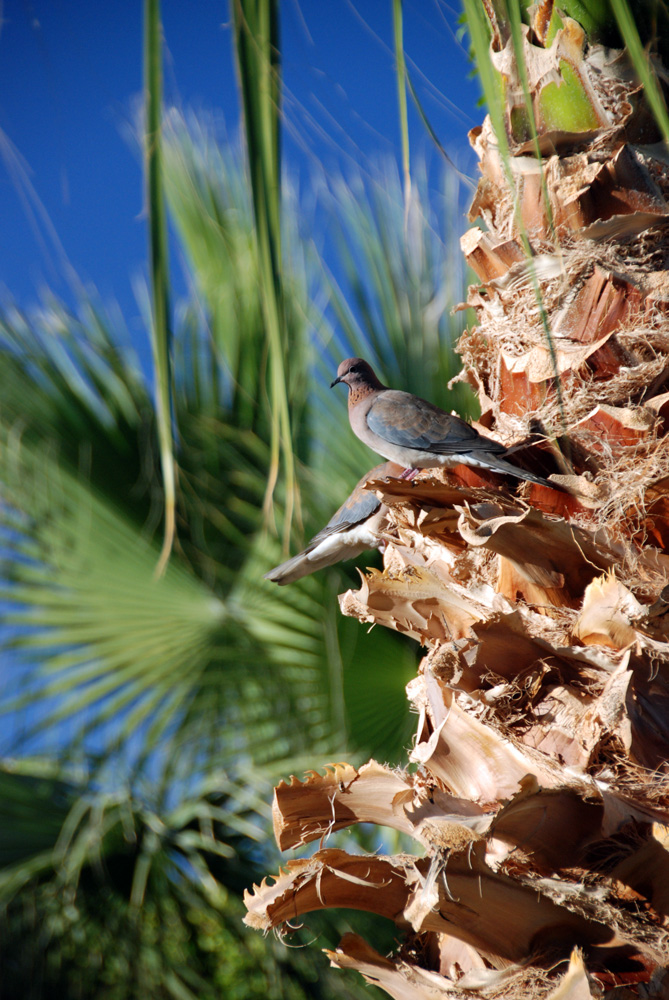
539	802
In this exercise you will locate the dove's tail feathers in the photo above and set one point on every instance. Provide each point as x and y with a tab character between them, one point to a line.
293	569
328	548
508	469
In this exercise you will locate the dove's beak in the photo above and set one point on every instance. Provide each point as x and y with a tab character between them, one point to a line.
333	384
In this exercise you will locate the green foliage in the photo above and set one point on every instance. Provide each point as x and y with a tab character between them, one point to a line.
118	902
225	358
258	64
159	265
120	644
80	460
184	696
400	74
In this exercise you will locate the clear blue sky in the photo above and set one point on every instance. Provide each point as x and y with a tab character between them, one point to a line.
71	75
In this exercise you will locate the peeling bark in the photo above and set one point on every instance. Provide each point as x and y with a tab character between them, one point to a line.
538	792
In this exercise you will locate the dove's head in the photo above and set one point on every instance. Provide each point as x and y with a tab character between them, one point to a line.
357	375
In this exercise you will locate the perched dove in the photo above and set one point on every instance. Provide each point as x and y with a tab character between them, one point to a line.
350	531
414	433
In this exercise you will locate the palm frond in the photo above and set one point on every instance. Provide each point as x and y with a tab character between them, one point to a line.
101	895
108	650
210	201
400	76
159	268
258	64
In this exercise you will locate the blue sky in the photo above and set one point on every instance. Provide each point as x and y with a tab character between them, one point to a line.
70	80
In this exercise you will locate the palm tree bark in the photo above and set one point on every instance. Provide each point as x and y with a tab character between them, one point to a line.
539	801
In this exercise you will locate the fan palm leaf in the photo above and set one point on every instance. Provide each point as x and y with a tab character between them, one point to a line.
168	681
105	895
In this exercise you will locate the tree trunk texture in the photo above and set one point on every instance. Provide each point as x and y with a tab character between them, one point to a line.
538	792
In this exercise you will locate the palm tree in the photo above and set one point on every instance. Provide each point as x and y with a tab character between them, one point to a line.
538	803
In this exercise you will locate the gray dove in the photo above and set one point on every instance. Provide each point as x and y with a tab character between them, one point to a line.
350	531
414	433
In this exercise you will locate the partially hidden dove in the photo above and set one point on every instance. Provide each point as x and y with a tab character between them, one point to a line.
414	433
350	531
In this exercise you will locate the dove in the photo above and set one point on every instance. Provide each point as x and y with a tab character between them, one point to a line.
350	531
415	433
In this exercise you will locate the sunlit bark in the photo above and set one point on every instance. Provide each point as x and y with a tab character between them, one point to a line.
539	794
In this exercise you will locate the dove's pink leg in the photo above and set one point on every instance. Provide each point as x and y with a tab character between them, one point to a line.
409	474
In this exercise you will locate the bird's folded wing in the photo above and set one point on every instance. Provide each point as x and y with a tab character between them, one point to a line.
343	537
359	506
410	422
350	530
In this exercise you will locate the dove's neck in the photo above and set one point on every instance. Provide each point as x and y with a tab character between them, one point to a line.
361	391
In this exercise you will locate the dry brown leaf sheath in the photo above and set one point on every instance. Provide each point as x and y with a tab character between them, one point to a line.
535	798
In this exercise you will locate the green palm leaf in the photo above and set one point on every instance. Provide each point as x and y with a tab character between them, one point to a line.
184	695
190	657
259	67
159	266
104	896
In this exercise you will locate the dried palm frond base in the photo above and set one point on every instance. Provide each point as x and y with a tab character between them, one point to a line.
538	797
537	791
